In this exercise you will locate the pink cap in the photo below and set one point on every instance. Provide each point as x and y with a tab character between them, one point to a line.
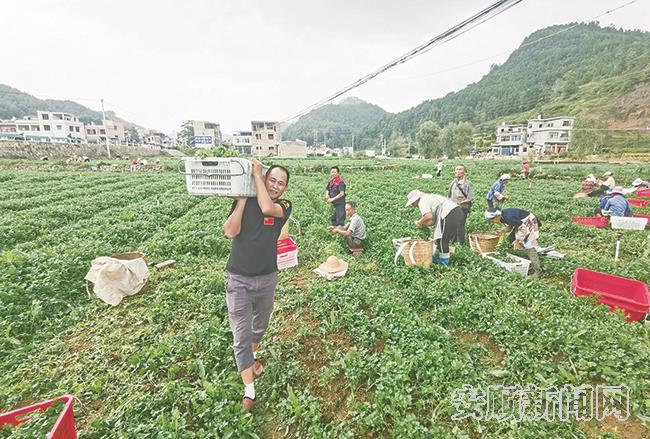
413	196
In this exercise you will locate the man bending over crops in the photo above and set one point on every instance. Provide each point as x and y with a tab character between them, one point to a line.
524	232
254	226
442	213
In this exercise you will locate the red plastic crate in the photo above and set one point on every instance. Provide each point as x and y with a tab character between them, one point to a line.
638	203
640	215
643	193
591	221
63	428
629	294
286	245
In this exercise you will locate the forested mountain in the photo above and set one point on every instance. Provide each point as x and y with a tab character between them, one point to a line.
335	124
594	73
16	103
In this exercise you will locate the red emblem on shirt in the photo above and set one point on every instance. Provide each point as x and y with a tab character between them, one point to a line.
269	221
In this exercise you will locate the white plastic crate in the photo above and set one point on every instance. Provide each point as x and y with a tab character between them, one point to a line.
627	223
520	265
225	177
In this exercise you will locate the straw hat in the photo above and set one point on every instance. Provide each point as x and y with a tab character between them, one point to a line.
505	177
413	196
491	215
592	178
333	265
638	182
608	173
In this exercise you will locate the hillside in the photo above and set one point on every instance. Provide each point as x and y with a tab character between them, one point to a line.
335	124
16	103
594	73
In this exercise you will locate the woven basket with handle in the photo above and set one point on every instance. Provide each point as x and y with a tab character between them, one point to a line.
416	252
483	242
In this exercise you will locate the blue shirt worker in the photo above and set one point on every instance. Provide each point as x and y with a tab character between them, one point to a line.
335	194
254	226
496	194
617	205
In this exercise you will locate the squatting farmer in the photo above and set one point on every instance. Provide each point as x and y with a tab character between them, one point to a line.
496	194
354	231
254	226
441	212
461	192
335	194
524	232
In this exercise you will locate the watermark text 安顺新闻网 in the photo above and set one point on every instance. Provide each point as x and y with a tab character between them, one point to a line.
532	403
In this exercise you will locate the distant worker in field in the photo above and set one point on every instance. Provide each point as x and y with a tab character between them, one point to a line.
254	226
523	227
354	231
461	192
134	165
589	184
525	169
640	184
335	194
496	195
439	169
608	184
616	204
442	213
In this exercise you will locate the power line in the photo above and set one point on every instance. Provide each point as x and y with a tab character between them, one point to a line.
496	55
451	33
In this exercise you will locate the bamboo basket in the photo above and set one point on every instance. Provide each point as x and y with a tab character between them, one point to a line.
483	242
418	252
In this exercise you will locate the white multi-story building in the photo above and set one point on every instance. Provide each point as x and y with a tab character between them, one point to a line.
266	137
51	126
510	140
242	141
61	127
550	135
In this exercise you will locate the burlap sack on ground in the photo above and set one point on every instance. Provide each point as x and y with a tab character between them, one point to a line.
116	278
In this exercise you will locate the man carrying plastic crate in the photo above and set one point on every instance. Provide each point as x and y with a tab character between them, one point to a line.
524	232
254	226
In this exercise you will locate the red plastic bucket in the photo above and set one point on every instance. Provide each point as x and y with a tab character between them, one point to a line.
64	427
643	193
617	292
591	221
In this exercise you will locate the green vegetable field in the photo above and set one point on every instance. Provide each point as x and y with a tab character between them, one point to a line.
378	353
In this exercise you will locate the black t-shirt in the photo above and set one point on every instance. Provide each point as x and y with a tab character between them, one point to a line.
335	189
254	250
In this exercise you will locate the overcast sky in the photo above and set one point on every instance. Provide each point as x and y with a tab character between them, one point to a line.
159	62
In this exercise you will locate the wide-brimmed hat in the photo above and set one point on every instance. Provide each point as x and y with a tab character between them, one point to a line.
505	177
591	177
608	173
491	215
333	265
413	196
618	190
637	182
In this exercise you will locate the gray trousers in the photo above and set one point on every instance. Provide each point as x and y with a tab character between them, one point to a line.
250	303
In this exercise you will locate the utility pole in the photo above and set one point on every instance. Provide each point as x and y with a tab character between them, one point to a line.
108	148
